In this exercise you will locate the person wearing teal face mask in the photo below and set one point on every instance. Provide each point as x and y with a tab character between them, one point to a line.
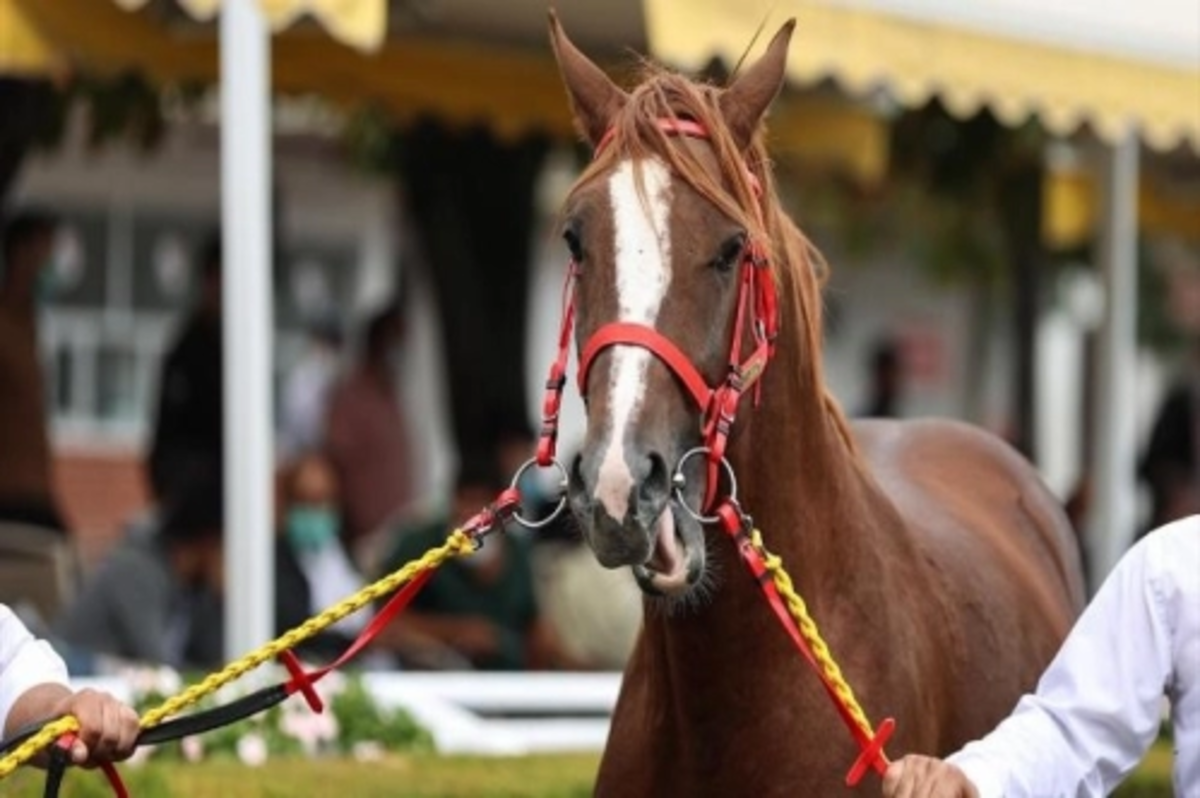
313	570
312	528
26	487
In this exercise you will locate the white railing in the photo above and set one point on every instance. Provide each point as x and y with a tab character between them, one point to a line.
489	714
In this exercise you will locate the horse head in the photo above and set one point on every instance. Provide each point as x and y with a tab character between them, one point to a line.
661	229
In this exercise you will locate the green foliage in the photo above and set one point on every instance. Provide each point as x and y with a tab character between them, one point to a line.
960	159
362	720
124	106
368	139
352	719
949	189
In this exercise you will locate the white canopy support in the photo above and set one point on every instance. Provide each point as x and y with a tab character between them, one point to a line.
1114	513
248	325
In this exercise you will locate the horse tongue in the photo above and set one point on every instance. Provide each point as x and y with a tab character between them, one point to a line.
667	558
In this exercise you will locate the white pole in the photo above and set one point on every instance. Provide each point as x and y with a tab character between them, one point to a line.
1114	515
246	223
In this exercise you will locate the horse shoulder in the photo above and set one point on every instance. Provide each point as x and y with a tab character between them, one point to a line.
948	476
991	539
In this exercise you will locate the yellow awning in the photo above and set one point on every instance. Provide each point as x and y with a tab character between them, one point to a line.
831	133
359	23
23	49
511	91
863	49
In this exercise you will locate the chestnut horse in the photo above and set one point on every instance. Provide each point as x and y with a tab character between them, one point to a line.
942	573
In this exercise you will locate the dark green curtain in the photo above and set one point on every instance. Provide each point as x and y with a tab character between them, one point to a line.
471	200
26	108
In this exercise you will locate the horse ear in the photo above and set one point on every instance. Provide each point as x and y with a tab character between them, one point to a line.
744	103
595	99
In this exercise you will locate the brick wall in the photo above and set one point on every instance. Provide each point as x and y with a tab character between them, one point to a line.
99	490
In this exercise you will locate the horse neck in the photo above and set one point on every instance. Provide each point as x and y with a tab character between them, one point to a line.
800	480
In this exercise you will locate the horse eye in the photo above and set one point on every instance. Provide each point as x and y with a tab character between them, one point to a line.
730	253
571	236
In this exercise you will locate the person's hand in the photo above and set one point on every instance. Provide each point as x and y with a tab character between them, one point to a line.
108	728
926	777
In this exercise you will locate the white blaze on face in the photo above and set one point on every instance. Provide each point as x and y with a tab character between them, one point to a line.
642	266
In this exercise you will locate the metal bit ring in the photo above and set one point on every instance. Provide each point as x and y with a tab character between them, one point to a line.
562	498
679	483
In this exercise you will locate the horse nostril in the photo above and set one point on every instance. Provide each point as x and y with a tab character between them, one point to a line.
575	481
655	487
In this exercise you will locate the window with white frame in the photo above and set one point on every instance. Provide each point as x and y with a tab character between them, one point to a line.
126	277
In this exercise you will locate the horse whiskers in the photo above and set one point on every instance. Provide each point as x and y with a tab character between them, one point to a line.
697	598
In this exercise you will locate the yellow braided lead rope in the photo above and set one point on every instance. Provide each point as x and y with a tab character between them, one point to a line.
457	544
39	742
808	630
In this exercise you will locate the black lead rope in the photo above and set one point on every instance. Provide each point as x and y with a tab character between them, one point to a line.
56	770
209	719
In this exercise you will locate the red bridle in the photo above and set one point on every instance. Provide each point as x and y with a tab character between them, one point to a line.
756	304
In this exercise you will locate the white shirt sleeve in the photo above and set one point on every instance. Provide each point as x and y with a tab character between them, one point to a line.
1098	706
25	662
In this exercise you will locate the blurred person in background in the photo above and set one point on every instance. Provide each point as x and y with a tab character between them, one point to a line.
312	569
188	440
366	435
307	389
156	597
26	483
593	612
34	687
1171	463
479	610
885	374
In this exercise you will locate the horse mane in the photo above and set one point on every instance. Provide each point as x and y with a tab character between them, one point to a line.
800	270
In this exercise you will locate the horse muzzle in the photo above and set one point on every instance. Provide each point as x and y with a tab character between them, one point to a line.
631	520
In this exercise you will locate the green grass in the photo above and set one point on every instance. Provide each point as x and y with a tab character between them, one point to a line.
1153	778
417	776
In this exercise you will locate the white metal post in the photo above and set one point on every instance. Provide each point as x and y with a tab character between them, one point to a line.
1114	515
246	223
